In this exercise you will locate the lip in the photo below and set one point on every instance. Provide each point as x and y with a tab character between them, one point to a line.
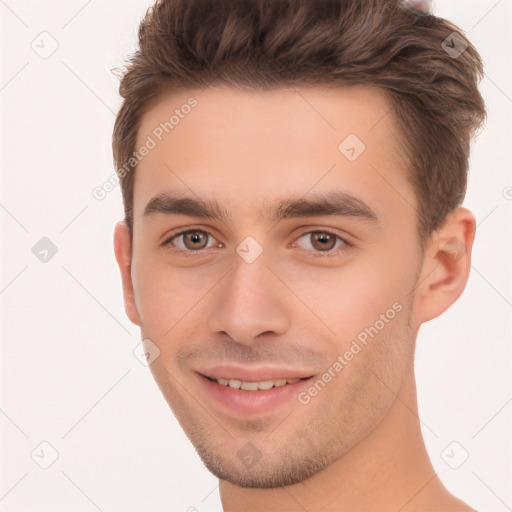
239	402
252	374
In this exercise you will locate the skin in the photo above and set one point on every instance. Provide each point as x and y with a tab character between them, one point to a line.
357	444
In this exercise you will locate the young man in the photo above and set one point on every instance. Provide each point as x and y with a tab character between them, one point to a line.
292	173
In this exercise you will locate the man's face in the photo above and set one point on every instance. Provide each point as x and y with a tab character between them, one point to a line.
250	297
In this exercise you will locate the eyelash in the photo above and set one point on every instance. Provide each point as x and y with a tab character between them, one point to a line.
317	254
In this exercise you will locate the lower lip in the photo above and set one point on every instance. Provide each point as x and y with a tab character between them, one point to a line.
241	402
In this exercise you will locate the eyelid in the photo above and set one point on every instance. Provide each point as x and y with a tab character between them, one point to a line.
180	230
346	244
168	241
346	237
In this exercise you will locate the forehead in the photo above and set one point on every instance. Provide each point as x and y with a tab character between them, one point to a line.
244	147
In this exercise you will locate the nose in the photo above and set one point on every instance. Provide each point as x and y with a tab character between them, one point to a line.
249	302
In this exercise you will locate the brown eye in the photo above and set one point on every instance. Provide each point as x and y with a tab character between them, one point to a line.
190	241
323	243
195	240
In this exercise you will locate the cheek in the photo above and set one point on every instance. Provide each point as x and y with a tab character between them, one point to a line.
348	299
377	358
167	295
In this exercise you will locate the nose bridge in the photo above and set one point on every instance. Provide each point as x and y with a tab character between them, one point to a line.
249	302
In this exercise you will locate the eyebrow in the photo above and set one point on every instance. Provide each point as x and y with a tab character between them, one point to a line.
327	203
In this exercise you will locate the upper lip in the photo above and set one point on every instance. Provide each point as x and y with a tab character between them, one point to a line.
252	374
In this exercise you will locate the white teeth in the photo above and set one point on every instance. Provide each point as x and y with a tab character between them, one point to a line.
249	386
267	384
233	383
254	386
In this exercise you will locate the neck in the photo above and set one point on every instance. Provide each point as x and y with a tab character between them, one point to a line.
388	470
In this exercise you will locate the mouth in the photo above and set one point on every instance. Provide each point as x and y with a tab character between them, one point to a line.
237	397
261	385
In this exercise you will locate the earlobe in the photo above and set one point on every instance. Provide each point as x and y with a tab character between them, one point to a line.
446	265
122	250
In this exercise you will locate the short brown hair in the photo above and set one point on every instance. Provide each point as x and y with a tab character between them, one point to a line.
265	44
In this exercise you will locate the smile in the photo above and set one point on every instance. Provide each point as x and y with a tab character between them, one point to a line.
251	398
254	385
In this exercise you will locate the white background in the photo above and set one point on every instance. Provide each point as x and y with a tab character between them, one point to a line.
68	374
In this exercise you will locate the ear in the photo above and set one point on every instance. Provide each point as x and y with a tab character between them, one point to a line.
446	265
122	250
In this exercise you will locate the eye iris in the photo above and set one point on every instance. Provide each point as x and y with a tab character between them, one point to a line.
195	237
326	241
320	240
